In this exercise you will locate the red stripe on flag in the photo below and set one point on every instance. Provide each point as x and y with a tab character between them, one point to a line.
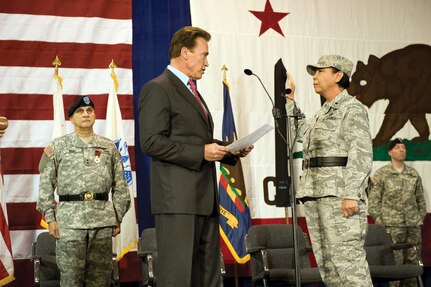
223	182
131	149
72	55
23	216
21	160
426	240
100	8
23	273
26	160
39	107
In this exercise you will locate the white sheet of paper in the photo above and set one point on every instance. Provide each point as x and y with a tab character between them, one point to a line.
250	139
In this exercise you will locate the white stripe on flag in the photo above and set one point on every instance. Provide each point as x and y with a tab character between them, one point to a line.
26	80
22	241
65	29
21	187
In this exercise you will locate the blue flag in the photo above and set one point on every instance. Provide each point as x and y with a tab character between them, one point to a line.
235	216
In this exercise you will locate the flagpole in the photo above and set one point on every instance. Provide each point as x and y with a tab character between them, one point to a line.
231	184
56	63
112	65
235	266
236	273
224	69
127	239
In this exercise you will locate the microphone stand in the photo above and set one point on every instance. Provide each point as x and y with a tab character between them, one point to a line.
293	196
277	115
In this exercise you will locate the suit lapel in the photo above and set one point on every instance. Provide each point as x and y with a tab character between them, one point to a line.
185	93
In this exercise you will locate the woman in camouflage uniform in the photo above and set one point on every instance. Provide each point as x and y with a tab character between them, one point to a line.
337	158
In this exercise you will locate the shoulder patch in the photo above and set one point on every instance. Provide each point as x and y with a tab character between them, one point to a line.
48	151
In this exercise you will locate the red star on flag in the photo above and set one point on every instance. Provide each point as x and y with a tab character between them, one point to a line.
269	19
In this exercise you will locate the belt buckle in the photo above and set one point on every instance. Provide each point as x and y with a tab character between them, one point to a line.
305	163
88	196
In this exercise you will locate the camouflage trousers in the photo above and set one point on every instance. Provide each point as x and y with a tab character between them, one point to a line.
410	234
84	256
338	242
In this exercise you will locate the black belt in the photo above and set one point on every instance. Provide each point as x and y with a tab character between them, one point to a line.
329	161
85	196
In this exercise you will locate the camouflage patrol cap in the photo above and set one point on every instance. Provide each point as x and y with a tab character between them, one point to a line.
80	102
392	143
336	61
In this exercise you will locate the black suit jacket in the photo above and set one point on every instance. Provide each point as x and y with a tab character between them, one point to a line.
173	131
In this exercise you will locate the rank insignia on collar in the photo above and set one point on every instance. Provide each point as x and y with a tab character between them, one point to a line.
48	151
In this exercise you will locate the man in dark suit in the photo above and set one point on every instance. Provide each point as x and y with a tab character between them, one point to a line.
176	130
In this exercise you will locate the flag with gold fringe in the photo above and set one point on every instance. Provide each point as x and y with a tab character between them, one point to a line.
59	126
235	216
127	239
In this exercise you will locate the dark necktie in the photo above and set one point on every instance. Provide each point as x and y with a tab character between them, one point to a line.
195	93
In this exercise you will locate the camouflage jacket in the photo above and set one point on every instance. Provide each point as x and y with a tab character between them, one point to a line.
397	199
339	129
74	167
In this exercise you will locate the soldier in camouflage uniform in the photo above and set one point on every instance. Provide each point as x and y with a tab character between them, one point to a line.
397	201
337	159
83	168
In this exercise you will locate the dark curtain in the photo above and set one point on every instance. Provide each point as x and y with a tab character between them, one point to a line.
154	23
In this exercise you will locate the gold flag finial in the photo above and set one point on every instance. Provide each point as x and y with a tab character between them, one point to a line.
224	69
56	63
113	66
114	77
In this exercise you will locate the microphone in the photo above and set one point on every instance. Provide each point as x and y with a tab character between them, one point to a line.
248	72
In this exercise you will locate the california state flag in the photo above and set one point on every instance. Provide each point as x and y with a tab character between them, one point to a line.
388	42
126	240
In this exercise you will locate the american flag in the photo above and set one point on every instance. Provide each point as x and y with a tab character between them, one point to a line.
86	36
